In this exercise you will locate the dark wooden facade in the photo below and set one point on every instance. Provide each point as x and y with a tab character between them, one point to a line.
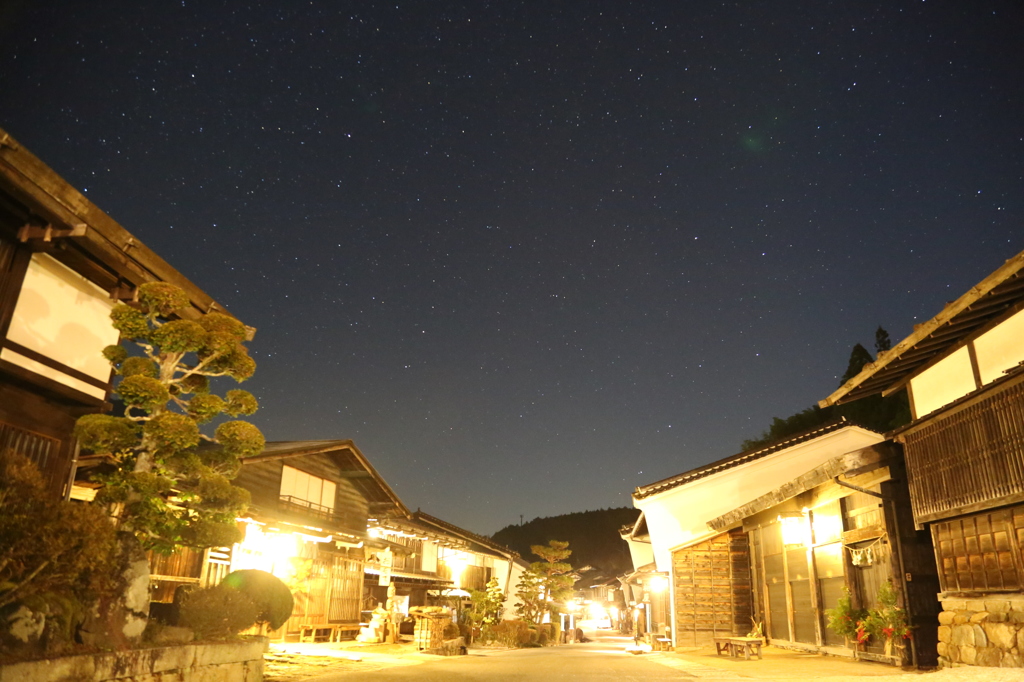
712	591
970	456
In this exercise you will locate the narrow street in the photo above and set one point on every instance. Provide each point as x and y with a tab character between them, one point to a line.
604	659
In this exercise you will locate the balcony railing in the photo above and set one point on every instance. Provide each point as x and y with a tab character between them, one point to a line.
969	459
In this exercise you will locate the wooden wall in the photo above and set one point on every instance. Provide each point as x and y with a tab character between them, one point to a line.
711	583
263	481
970	458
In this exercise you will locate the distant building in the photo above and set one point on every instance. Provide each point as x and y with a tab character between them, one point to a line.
964	373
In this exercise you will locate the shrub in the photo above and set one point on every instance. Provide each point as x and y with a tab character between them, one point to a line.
272	597
508	633
218	612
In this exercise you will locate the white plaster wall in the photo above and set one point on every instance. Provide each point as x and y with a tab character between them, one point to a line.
64	316
1000	348
642	553
942	383
679	516
511	602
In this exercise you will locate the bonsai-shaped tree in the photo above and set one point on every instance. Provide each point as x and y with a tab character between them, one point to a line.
555	574
273	599
530	593
165	489
487	604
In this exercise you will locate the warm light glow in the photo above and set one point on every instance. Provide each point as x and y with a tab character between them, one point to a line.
596	612
457	562
795	530
572	606
658	583
266	551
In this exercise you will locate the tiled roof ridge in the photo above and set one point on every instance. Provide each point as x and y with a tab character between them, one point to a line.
738	459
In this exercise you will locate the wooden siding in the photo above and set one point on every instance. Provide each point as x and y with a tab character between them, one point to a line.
712	589
981	552
263	481
969	459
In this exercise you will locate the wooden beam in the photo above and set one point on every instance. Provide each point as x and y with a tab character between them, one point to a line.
924	330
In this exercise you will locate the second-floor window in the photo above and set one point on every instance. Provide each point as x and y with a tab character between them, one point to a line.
301	488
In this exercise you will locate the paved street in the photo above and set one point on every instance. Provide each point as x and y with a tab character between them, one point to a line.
604	660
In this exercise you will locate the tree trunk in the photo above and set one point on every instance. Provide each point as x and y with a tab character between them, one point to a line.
119	621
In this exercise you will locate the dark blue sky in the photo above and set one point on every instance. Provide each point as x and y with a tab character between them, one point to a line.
529	255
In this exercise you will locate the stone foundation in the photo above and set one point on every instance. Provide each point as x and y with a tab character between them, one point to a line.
982	632
227	662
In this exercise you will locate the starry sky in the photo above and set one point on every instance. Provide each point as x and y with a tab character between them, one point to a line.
530	255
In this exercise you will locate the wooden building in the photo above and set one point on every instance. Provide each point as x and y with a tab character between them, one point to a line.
432	560
709	568
964	374
306	524
844	524
63	265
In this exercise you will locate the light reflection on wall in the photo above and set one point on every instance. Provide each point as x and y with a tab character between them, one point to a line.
266	550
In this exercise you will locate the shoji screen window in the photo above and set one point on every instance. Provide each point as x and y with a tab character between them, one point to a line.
301	488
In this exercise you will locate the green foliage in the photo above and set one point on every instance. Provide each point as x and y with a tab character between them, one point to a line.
217	612
547	584
530	593
103	433
169	491
49	547
144	392
487	604
556	574
272	597
507	633
241	439
137	366
888	621
843	619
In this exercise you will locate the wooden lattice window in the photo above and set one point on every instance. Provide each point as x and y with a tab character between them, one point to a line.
981	552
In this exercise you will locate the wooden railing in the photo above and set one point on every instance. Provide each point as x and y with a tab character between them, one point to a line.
969	459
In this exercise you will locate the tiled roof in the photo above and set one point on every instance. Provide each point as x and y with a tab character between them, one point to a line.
736	460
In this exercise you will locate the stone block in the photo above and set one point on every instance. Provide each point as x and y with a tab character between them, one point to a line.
942	648
980	638
979	617
998	617
1011	660
997	605
1001	635
968	655
988	657
963	635
1020	640
962	616
946	617
945	633
953	653
954	604
975	605
1015	616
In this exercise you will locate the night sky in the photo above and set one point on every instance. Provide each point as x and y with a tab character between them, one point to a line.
530	255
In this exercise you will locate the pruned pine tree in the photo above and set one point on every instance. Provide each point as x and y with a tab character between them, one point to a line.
555	573
165	489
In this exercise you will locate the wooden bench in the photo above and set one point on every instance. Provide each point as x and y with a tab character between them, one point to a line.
325	632
737	645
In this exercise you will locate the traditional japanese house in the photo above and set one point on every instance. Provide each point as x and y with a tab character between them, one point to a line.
306	524
432	560
844	525
964	374
63	264
709	586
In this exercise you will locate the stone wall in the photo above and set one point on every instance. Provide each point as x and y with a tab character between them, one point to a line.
223	662
982	632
